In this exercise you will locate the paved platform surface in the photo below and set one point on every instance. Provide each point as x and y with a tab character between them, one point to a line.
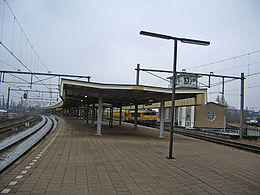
73	160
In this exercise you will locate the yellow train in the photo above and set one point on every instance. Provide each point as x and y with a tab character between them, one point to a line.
144	117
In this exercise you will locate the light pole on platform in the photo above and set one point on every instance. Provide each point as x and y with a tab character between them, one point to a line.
176	39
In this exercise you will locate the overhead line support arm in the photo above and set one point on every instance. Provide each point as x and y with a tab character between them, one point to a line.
198	74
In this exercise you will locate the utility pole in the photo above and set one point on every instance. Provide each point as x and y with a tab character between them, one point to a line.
136	105
3	102
21	104
223	85
175	39
8	98
242	98
137	74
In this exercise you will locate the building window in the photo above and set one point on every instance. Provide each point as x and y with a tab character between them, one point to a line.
211	115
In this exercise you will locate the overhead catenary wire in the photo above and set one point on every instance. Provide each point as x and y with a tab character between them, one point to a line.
2	29
32	95
220	83
219	92
19	78
229	68
253	74
250	87
157	76
27	41
7	64
22	63
212	85
13	35
255	86
26	37
224	60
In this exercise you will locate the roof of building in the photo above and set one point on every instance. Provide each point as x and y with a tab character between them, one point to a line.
179	74
76	93
216	104
58	105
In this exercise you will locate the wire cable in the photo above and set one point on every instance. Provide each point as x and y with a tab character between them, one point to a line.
157	76
253	74
224	60
22	63
2	30
251	64
25	34
8	64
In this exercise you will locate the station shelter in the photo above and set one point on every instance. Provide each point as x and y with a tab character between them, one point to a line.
80	97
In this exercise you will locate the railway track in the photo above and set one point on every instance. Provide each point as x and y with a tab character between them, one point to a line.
8	126
215	139
15	146
235	144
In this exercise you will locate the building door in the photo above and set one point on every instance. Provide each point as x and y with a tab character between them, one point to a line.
188	117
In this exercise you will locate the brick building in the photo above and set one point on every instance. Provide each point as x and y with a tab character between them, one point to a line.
210	115
199	114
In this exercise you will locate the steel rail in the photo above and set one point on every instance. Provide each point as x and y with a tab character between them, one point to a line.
21	123
235	144
217	140
49	124
239	145
21	138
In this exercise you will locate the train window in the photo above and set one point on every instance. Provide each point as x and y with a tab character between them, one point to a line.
150	113
133	114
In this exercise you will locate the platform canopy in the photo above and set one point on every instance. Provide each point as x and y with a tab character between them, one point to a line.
58	105
76	93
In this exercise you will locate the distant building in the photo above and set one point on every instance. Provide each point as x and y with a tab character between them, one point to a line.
207	115
188	84
185	80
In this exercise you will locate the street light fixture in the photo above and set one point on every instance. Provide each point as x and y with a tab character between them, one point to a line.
183	40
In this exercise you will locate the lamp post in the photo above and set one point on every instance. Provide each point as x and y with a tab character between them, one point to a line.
183	40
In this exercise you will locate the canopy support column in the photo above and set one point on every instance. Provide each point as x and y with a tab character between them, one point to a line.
100	107
87	112
93	115
120	115
111	117
84	113
136	113
70	112
75	112
162	118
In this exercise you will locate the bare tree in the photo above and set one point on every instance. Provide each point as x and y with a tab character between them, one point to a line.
221	100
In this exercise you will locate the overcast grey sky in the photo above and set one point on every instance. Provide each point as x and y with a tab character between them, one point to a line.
101	38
